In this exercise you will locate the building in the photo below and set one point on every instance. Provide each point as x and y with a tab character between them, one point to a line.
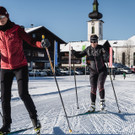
36	57
123	50
95	26
78	46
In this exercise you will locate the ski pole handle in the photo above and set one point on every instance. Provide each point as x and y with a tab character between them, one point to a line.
43	38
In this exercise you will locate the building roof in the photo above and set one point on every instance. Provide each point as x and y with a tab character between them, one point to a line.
78	45
132	40
32	29
114	43
29	30
95	14
118	43
122	43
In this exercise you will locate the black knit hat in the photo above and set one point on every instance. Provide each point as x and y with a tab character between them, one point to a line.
94	38
3	11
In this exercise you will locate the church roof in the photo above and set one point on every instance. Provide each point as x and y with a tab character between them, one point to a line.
95	14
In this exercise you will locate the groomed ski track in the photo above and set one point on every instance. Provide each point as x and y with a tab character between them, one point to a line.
44	93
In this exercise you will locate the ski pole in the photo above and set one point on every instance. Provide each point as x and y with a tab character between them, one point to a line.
43	37
76	88
114	90
1	115
75	85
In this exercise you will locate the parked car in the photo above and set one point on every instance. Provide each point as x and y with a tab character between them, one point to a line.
34	73
77	72
126	70
48	71
42	73
64	72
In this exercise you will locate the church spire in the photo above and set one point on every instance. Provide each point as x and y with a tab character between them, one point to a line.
95	14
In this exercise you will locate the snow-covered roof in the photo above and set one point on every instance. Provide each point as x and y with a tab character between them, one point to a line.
119	43
78	45
114	43
32	29
132	40
28	30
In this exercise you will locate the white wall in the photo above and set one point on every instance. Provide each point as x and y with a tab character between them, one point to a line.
98	24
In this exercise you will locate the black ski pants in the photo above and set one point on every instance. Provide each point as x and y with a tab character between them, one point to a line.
21	75
97	79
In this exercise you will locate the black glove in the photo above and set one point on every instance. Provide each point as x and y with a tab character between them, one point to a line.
45	43
73	52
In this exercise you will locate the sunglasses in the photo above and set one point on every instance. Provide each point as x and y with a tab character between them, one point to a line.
94	41
2	16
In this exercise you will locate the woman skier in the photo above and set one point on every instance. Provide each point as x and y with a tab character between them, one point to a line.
14	63
96	55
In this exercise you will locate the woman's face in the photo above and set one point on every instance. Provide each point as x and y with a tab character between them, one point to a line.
3	20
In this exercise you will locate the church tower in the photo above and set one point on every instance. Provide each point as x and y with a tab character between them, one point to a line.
95	25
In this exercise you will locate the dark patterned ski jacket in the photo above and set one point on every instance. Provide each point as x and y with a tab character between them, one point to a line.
96	57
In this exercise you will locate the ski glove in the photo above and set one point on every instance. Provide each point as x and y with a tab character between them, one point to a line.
45	43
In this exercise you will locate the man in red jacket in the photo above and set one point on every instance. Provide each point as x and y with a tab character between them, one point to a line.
14	63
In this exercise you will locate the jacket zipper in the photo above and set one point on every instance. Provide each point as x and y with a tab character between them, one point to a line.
95	61
7	52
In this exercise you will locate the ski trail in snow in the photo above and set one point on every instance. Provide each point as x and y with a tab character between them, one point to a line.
51	113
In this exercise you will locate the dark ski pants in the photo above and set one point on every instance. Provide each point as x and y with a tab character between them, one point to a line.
97	80
21	75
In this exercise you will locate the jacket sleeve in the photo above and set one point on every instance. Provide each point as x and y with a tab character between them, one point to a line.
80	54
26	37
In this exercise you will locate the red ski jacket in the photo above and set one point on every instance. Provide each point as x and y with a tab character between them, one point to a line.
11	47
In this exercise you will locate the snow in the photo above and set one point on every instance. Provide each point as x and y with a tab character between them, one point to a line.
46	98
119	43
32	29
78	45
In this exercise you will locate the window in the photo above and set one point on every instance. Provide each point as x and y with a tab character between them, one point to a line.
123	58
40	54
100	28
93	29
34	35
134	58
94	7
34	54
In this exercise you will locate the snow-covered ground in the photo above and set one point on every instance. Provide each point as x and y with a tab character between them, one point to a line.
46	98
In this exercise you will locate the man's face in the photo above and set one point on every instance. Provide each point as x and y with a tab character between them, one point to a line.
94	45
3	20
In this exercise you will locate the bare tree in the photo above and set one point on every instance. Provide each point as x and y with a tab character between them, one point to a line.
128	52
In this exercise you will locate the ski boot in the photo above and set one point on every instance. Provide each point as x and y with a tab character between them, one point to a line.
37	125
102	105
5	129
92	107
